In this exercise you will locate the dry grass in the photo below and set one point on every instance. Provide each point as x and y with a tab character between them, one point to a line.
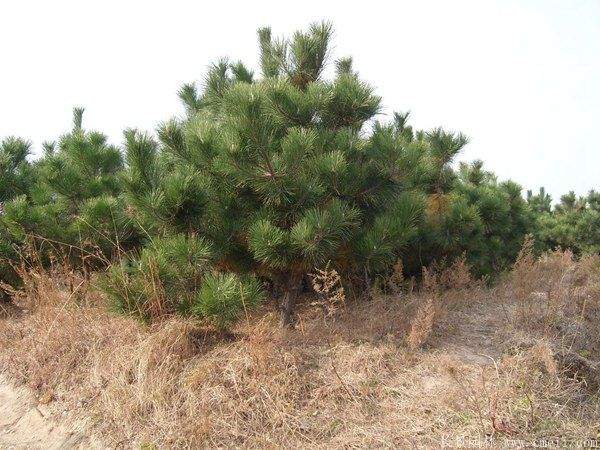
450	361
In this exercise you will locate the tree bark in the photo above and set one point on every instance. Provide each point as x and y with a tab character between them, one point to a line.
288	301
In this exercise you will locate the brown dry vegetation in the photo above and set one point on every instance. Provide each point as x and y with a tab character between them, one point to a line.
452	359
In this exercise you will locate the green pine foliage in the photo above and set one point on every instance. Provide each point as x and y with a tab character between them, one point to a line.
503	215
281	173
176	275
73	205
265	178
574	224
540	202
474	215
225	297
161	281
16	172
17	175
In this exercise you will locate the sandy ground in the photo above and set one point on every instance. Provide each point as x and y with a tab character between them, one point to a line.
25	423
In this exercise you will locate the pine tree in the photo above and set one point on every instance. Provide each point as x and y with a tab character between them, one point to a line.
540	202
593	200
73	204
573	224
570	202
480	217
267	177
281	174
17	175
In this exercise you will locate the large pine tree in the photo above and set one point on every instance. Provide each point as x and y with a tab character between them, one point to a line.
289	171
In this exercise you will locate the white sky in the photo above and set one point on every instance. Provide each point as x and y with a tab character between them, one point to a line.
520	78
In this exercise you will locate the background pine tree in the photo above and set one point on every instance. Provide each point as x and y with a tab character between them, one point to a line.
573	224
540	202
72	206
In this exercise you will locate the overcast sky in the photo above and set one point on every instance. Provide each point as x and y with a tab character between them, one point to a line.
520	78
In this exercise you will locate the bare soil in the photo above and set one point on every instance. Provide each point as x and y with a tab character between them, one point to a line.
27	423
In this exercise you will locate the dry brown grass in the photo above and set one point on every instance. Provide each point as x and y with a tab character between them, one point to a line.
450	361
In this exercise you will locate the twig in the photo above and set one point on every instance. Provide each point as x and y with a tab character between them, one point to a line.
344	384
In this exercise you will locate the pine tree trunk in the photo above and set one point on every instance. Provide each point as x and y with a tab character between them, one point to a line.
288	302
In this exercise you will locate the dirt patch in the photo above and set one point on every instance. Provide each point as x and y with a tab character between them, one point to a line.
27	424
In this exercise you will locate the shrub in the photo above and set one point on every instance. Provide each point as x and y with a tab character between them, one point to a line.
73	203
163	280
17	176
477	216
224	297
